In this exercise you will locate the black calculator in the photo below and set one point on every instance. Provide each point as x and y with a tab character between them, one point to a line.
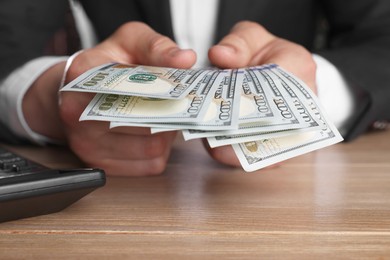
30	189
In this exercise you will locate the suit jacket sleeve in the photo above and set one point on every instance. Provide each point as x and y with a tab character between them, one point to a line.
359	46
26	28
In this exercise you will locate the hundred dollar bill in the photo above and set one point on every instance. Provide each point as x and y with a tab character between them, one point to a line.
252	104
257	100
222	111
296	97
261	153
120	108
299	95
137	80
291	114
216	141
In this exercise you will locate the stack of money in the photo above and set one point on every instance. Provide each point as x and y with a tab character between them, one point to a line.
267	114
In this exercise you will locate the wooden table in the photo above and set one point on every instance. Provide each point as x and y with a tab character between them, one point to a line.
333	203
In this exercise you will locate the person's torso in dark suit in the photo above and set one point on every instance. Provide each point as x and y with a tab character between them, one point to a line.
350	34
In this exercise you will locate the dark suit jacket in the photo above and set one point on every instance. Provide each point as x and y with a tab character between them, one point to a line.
352	34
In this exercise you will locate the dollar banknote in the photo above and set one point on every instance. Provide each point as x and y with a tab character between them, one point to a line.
258	154
216	141
222	107
122	108
289	110
135	80
254	155
264	112
257	100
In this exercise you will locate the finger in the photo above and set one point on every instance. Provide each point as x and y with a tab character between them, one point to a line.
223	154
115	167
135	147
140	44
133	43
124	166
72	104
238	48
131	130
124	146
226	155
249	44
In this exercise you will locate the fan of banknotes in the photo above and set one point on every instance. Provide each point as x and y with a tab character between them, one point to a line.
267	114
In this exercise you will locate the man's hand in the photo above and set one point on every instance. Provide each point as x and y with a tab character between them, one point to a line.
120	151
127	150
249	44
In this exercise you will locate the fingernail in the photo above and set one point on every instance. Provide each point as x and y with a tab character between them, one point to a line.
227	48
173	52
176	51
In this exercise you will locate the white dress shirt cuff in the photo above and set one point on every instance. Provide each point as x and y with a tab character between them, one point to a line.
12	91
333	92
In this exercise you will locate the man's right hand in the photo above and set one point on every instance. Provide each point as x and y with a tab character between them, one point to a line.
125	151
